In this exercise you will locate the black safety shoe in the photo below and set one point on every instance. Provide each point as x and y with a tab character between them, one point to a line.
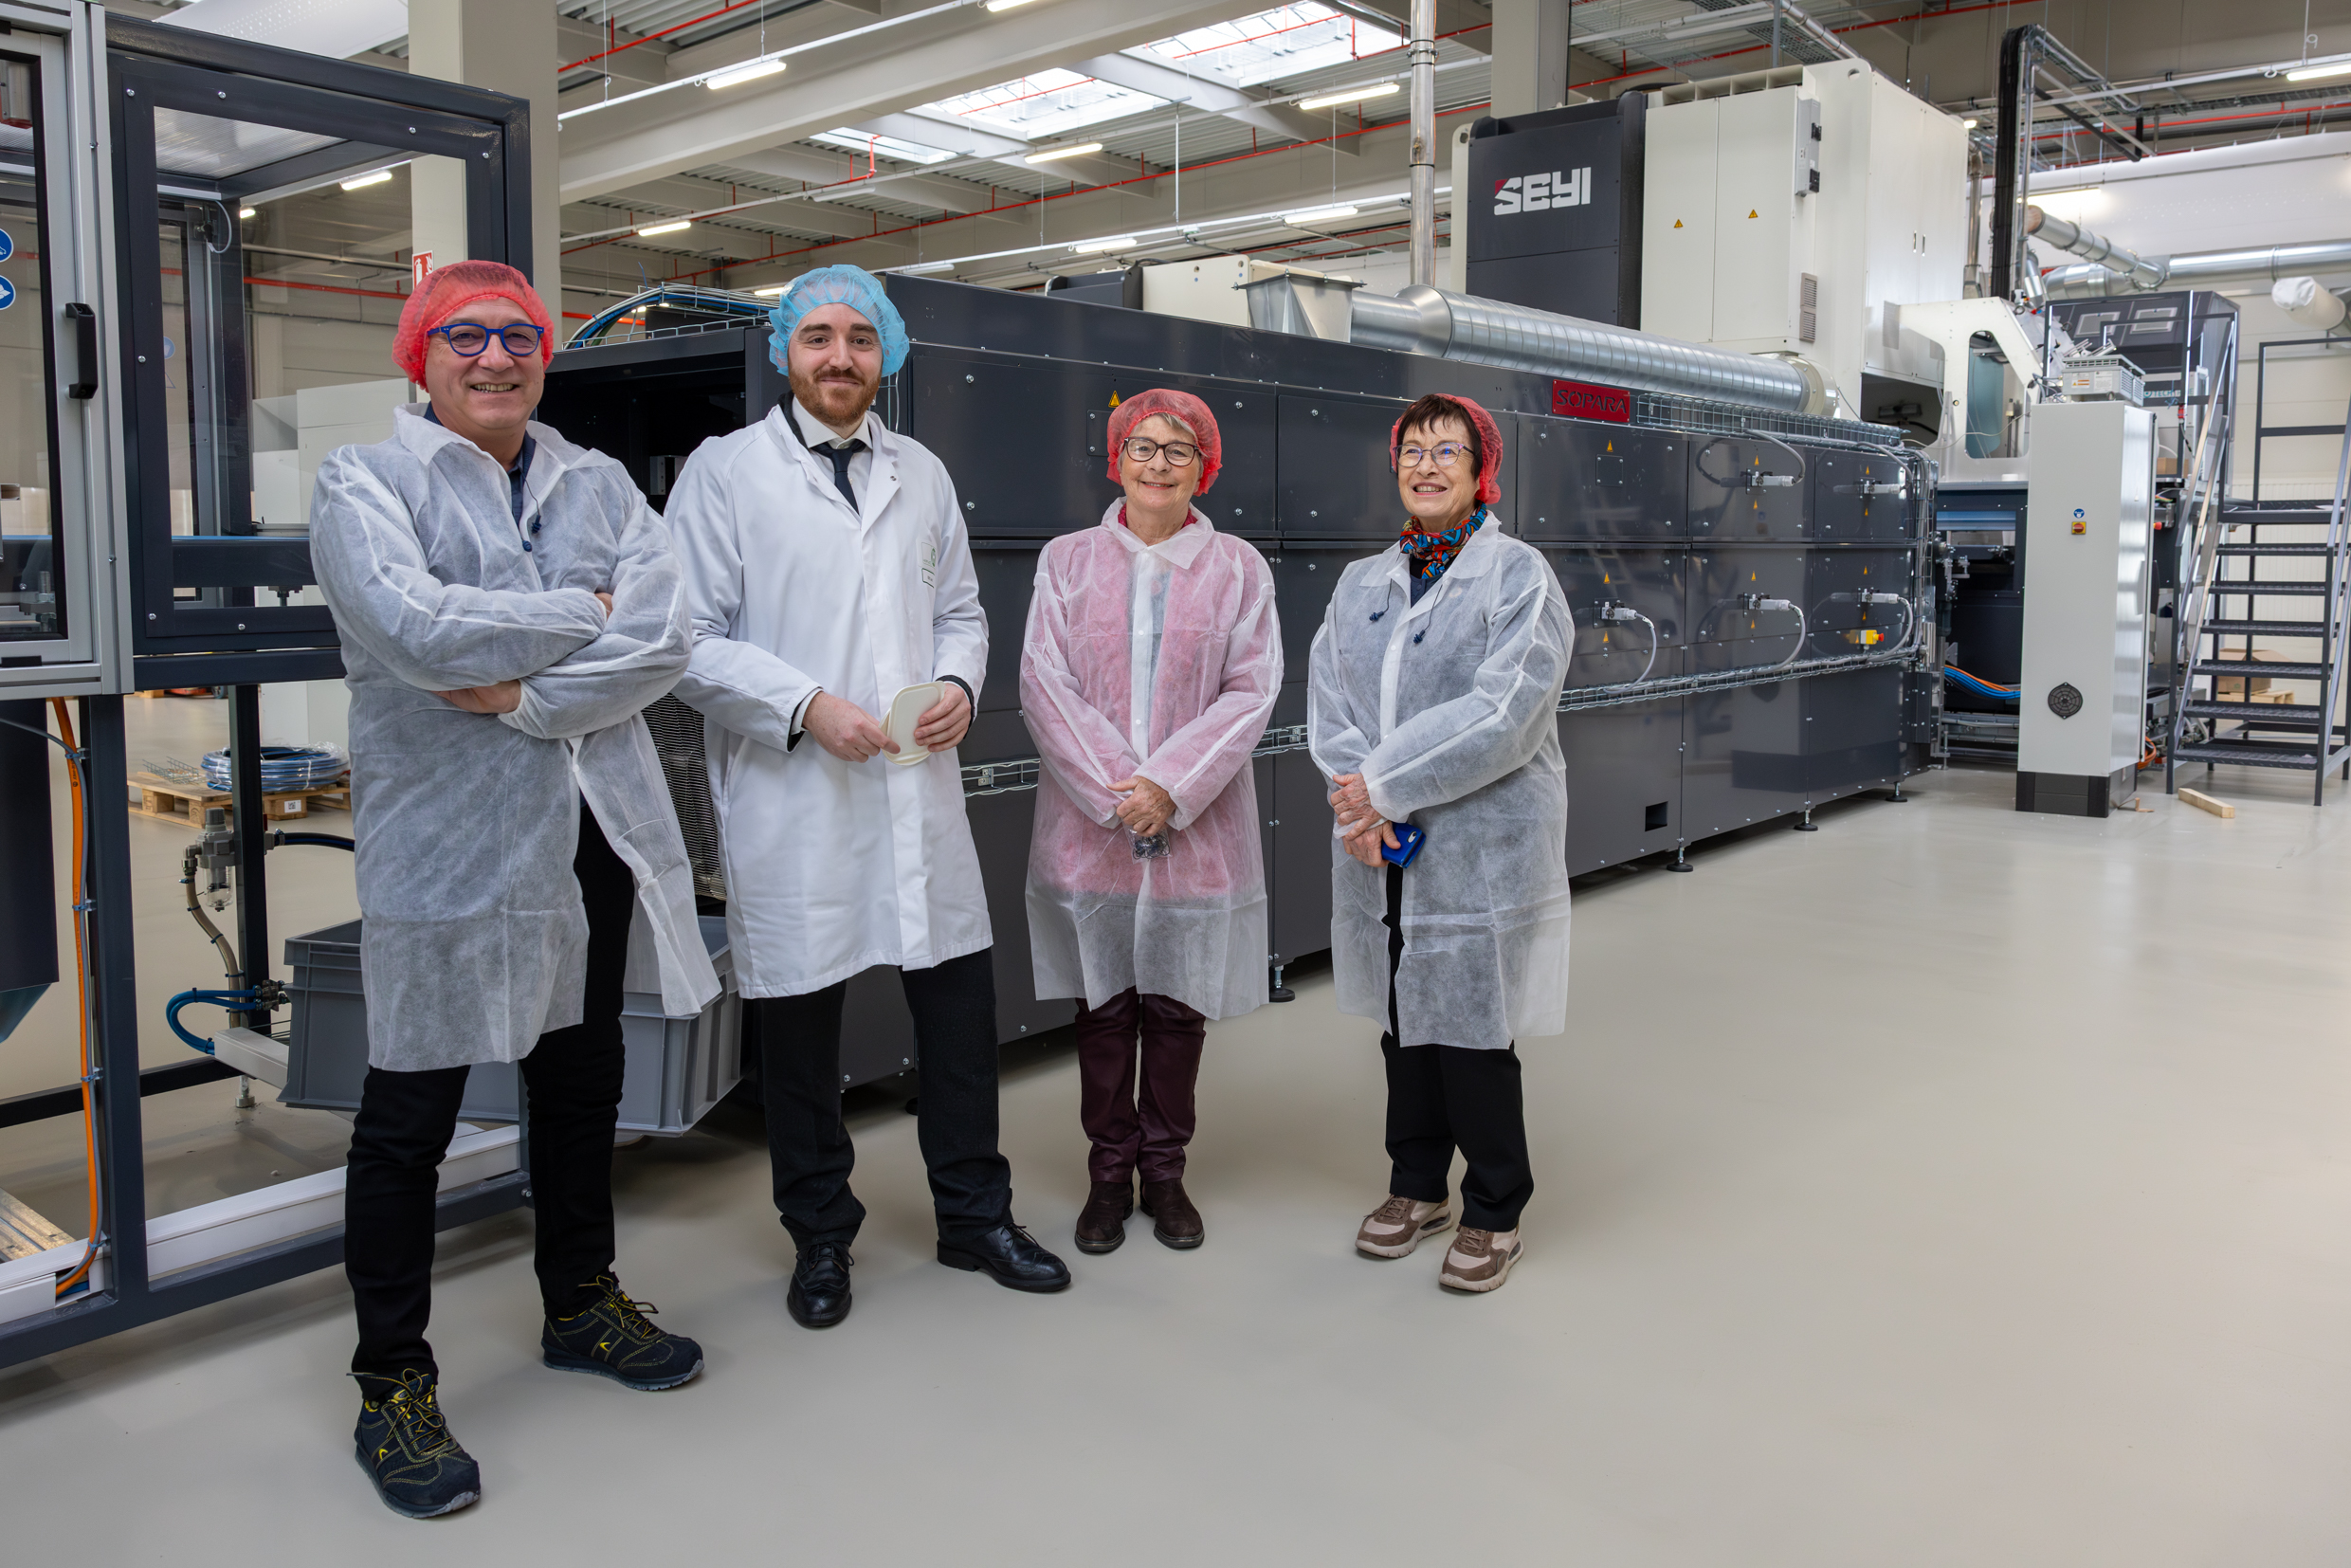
612	1339
1009	1255
405	1447
819	1296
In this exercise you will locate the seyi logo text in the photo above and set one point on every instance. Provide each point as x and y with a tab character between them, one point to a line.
1542	192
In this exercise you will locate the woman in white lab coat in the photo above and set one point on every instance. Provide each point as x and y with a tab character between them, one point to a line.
1432	707
1152	660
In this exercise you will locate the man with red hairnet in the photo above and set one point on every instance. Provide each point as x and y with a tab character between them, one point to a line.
1152	661
830	583
508	603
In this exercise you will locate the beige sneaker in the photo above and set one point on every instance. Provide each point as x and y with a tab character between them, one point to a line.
1480	1259
1397	1225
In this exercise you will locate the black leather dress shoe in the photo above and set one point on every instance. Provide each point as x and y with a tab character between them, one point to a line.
819	1296
1010	1255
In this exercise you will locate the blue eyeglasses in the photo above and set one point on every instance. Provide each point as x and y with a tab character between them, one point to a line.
520	340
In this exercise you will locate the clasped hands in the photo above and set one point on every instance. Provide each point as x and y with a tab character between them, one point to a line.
1362	830
851	734
502	696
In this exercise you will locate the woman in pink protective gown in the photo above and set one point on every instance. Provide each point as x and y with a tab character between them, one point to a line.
1151	664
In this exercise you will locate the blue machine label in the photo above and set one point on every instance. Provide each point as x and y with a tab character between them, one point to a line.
7	244
8	294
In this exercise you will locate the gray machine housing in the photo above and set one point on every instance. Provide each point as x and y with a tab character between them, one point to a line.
1012	392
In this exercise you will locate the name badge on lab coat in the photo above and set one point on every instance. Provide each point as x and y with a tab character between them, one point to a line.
930	562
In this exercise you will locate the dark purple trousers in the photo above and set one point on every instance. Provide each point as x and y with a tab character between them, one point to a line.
1145	1130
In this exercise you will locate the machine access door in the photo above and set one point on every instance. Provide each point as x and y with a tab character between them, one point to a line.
58	623
265	241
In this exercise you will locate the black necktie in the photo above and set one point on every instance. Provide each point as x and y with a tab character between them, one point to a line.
841	455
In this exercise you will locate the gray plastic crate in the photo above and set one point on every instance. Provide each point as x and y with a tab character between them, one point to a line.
677	1068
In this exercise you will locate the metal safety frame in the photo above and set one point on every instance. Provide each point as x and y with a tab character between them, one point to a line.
106	78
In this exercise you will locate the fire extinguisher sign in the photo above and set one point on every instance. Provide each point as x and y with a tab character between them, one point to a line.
1583	400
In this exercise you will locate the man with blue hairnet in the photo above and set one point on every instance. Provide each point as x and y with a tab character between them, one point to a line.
828	578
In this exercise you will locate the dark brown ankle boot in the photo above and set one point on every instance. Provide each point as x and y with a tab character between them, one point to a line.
1175	1221
1101	1225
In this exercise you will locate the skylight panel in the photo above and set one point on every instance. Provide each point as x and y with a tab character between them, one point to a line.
1044	104
1283	41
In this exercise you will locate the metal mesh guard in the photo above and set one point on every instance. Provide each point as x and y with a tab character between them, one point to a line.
678	741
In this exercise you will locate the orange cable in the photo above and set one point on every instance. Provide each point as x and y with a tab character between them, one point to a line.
82	989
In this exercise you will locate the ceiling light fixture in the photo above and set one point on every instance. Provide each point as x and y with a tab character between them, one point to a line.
1317	214
772	290
921	269
2312	73
1095	248
245	213
1348	95
1967	125
1004	5
750	72
1051	152
363	181
651	229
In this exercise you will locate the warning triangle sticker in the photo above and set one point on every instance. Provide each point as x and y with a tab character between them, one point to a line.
1114	400
1677	223
1751	211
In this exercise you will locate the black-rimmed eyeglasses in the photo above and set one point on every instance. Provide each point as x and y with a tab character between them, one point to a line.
469	341
1142	448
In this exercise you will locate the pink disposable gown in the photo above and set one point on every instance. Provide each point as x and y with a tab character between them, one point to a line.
1160	660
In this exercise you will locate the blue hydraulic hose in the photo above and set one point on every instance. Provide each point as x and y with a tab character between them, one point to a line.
1976	684
236	1001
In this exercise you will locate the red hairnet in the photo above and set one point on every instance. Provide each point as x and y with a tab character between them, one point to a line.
1184	409
449	289
1450	406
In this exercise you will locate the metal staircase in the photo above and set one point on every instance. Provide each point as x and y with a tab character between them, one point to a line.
2217	607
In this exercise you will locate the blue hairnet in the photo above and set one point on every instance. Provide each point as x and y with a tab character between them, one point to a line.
839	284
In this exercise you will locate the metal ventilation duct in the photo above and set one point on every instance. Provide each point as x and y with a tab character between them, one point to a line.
1486	332
2088	279
2142	273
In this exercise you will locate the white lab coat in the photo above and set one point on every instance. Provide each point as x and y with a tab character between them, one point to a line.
831	866
474	939
1450	710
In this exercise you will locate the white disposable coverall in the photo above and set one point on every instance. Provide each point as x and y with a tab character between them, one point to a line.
1450	710
1160	661
474	941
831	866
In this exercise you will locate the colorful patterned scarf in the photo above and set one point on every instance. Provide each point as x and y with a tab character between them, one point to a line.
1434	552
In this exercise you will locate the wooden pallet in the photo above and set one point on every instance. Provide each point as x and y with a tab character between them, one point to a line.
159	796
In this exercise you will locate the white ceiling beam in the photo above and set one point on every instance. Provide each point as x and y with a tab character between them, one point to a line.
863	77
1149	76
1463	22
798	163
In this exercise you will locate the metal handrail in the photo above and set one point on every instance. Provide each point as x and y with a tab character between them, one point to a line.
2332	643
2195	603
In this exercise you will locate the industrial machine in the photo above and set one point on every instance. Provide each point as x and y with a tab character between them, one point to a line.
2081	721
1749	583
150	319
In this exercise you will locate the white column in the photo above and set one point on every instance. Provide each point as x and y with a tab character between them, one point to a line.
1530	56
508	45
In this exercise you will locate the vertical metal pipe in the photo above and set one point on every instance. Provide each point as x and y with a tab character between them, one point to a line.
114	999
246	814
1774	34
1423	187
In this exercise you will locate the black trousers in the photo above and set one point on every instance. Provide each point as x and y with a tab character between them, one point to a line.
572	1081
954	1027
1441	1097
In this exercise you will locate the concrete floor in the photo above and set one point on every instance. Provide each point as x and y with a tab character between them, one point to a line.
1946	1187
